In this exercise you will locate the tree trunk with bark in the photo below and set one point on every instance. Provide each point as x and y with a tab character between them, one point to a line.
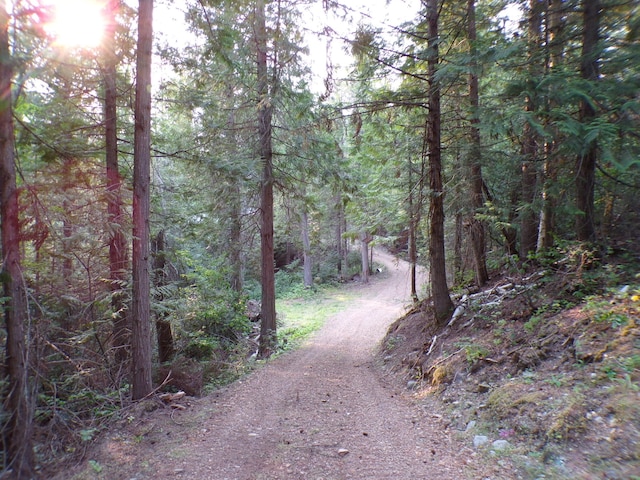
365	238
338	208
458	265
443	306
18	404
474	226
118	251
413	241
141	305
586	162
306	250
555	46
416	203
529	176
342	249
265	111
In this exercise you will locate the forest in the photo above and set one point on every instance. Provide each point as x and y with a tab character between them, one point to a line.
162	181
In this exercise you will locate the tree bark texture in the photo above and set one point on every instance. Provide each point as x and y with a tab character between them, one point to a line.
555	46
18	405
140	309
587	160
364	255
528	221
342	248
416	203
413	243
338	232
118	251
265	113
475	227
306	250
458	266
443	306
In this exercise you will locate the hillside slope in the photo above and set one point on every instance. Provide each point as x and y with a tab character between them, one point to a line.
545	362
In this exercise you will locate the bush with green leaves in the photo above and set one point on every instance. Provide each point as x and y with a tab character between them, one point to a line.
289	281
211	314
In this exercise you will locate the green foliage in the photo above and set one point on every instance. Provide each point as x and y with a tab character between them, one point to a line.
95	466
545	310
212	314
200	346
87	434
618	308
354	263
531	324
290	283
366	157
473	351
631	364
615	319
326	270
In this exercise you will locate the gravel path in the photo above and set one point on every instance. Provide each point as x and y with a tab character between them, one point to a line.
322	412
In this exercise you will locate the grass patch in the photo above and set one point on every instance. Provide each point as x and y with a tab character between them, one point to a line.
300	317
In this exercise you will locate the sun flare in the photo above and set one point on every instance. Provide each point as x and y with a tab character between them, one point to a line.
77	23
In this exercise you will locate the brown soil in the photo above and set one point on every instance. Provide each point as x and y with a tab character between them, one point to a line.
325	411
560	383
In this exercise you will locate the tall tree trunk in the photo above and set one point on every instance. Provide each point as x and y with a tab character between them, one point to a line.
265	111
364	255
342	248
555	45
140	309
508	232
586	162
118	261
546	222
345	242
306	250
413	242
528	223
528	226
164	334
18	404
416	203
443	306
458	266
475	227
339	211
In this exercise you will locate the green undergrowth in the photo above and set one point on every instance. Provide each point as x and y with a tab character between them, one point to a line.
547	358
300	317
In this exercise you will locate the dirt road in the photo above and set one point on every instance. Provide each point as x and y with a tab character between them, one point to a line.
321	412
